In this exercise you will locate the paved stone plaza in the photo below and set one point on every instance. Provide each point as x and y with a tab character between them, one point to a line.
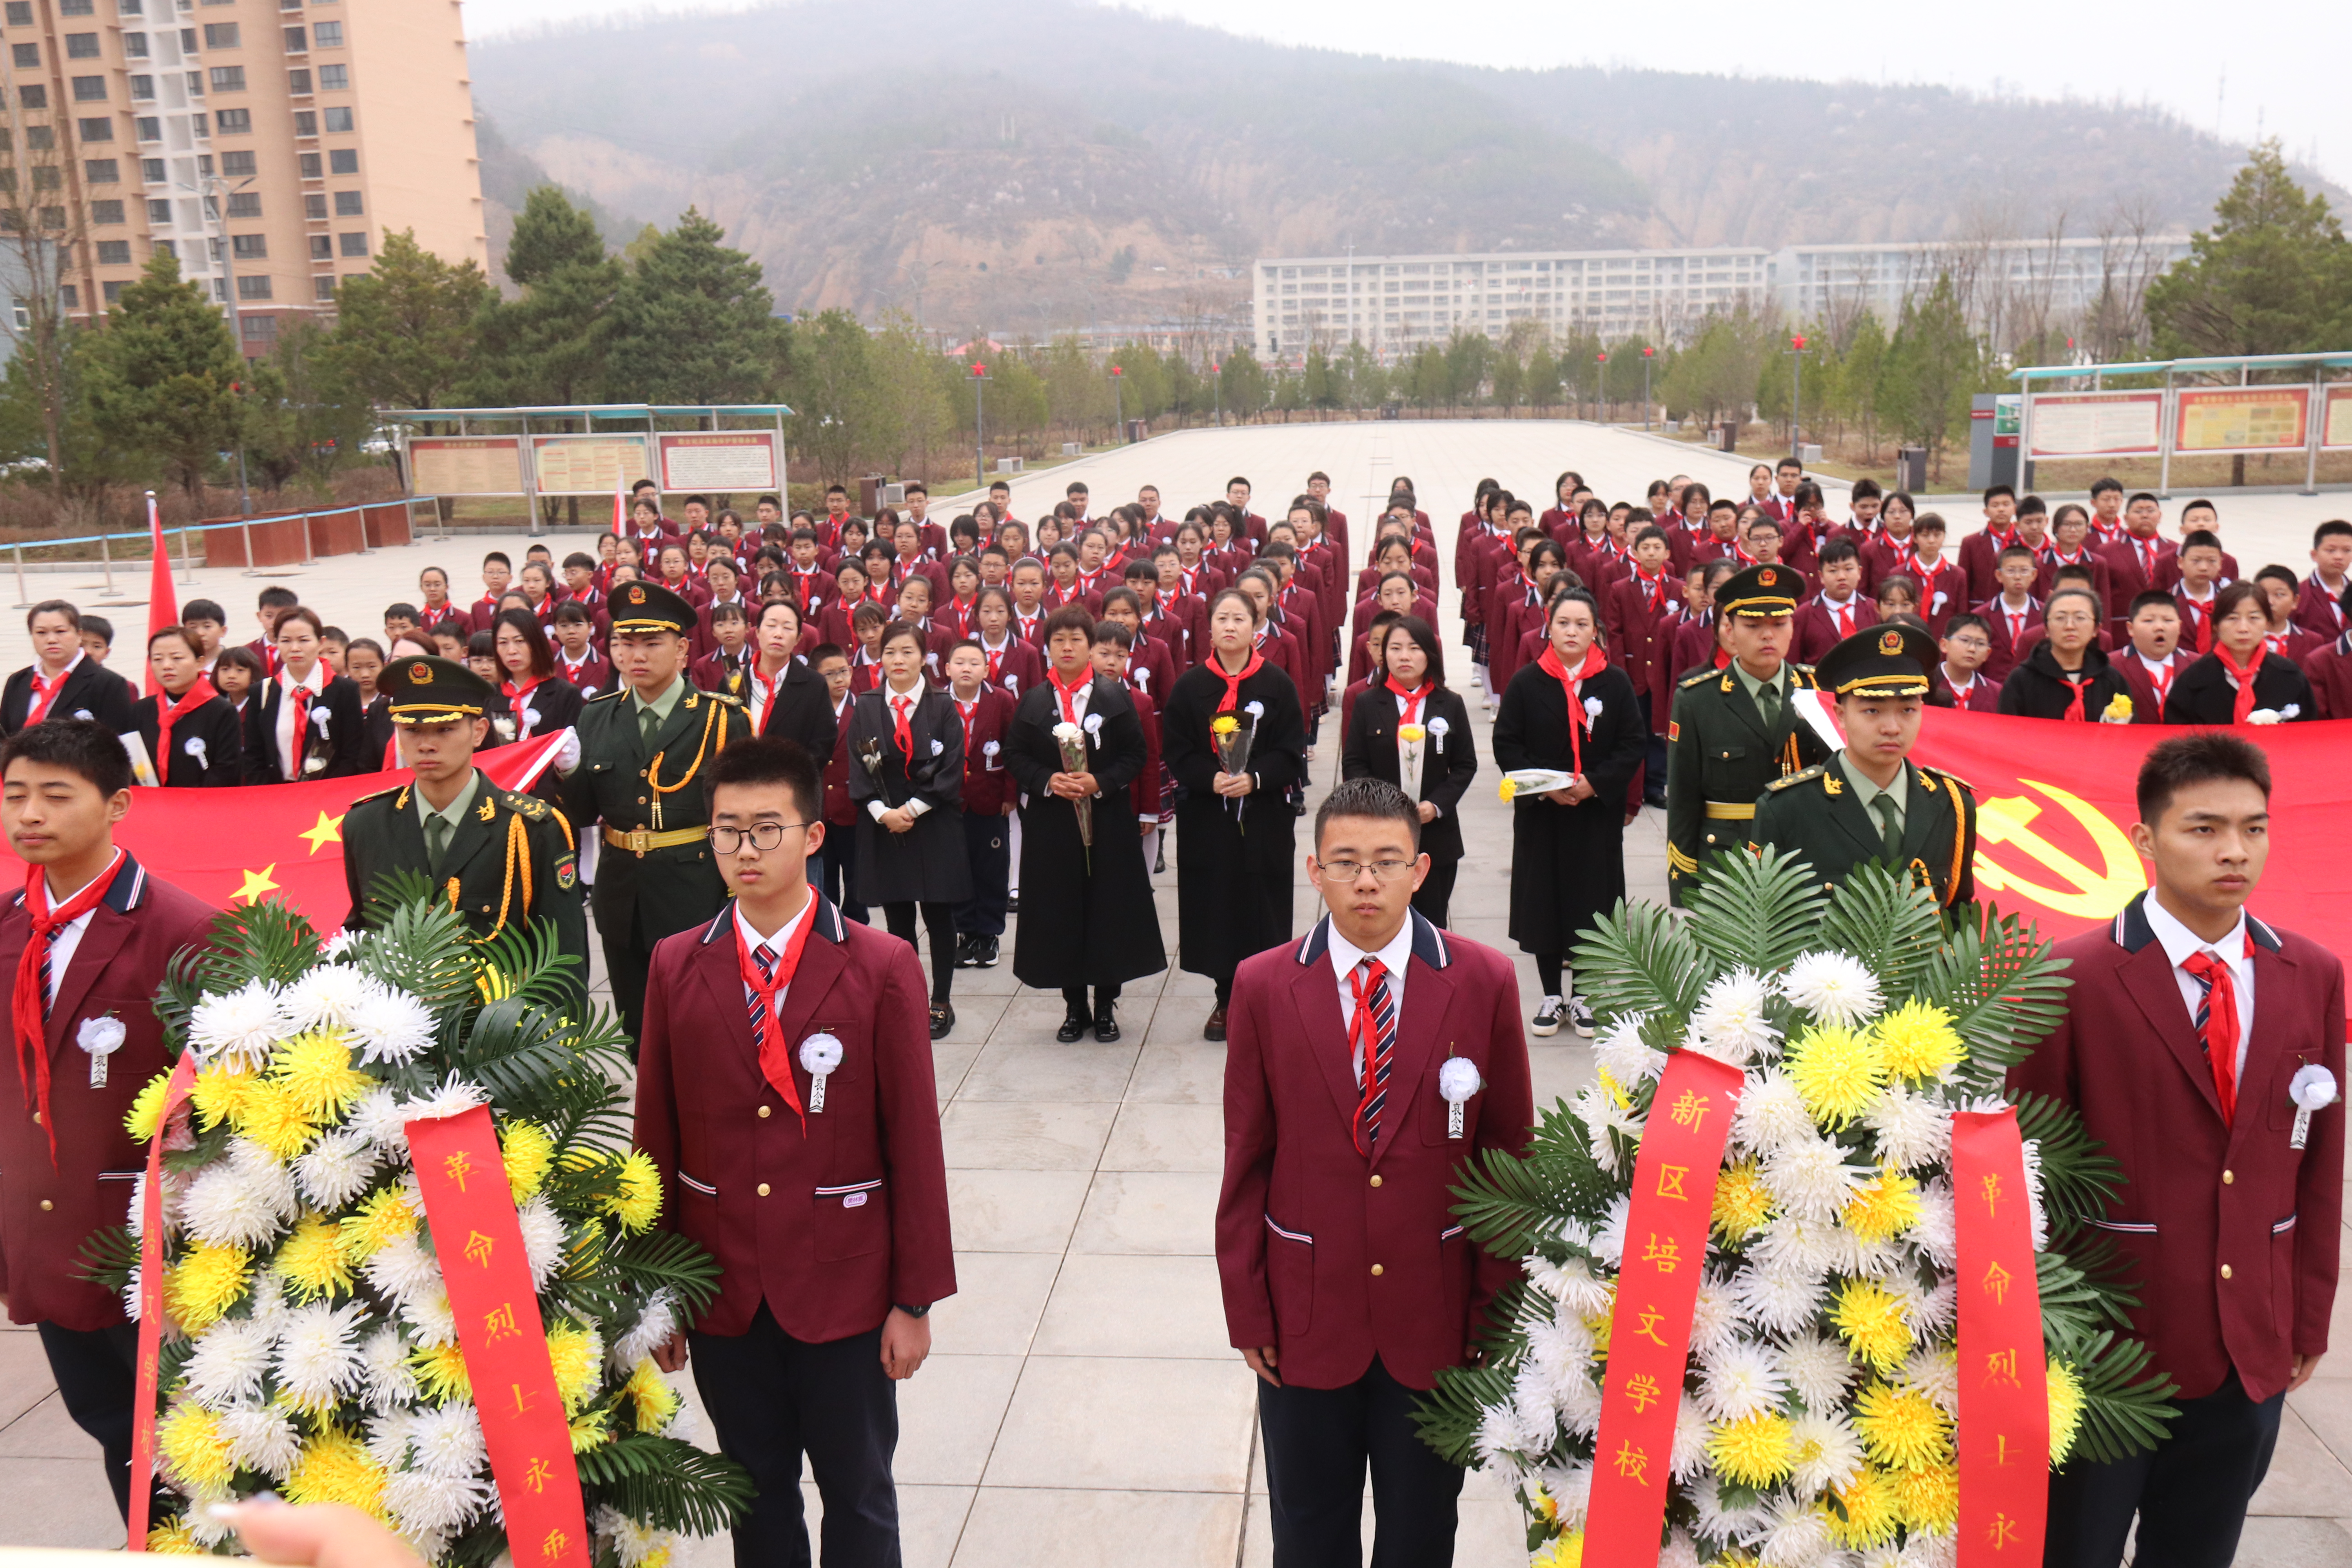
1082	1405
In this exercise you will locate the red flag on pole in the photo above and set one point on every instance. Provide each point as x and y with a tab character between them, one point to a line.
620	510
163	601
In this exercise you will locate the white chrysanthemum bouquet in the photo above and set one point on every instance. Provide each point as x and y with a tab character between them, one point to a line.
310	1349
1816	1421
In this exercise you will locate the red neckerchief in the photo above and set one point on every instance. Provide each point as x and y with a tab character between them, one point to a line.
1024	624
1571	687
300	695
775	1057
1411	698
2200	614
45	692
168	713
902	719
1722	658
516	694
1906	557
2243	702
1233	696
2160	677
31	1001
2076	686
959	613
970	711
1960	693
768	689
1841	615
1066	696
2276	643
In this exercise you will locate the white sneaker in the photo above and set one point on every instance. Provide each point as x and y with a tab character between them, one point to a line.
1580	1016
1547	1018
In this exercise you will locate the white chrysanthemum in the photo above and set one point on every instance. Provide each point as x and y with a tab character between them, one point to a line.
430	1322
1931	1311
1570	1490
422	1503
1793	1534
1570	1284
1715	1317
1598	1109
2033	1195
1913	1128
387	1437
1535	1408
1828	1452
403	1270
1609	1241
633	1543
1931	1549
1817	1371
1579	1406
1865	1259
230	1360
379	1117
336	1170
1834	987
1681	1551
1802	1249
1716	1519
454	1098
342	944
1560	1351
1937	1374
130	1306
262	1437
447	1440
1775	1300
203	1528
387	1380
237	1028
1809	1177
267	1303
542	1239
1737	1381
654	1325
1730	1023
319	1353
1771	1113
1624	1056
1688	1456
176	1203
1936	1235
323	998
391	1025
1888	1555
243	1200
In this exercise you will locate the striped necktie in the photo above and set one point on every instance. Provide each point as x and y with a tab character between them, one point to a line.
1371	1041
763	1000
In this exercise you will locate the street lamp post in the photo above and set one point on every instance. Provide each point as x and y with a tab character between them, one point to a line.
1601	387
1217	387
213	188
1648	354
979	425
1796	393
1119	401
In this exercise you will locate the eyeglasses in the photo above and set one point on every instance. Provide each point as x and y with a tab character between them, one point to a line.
1350	871
764	836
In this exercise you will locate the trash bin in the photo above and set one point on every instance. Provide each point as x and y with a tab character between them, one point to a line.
1911	468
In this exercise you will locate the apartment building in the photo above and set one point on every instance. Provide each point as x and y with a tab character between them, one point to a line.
269	144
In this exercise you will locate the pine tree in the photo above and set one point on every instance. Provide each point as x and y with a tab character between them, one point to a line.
404	333
162	377
552	345
2273	274
1932	365
694	323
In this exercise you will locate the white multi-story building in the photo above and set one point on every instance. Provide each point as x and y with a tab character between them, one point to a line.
1392	303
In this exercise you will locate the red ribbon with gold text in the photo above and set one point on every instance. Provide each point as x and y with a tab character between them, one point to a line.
1657	1289
479	1242
151	1303
2004	1415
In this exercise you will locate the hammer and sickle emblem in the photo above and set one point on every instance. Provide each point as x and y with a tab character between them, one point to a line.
2086	891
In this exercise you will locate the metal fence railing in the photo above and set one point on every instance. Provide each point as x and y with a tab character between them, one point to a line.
39	555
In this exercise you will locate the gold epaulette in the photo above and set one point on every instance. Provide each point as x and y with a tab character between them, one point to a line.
728	698
617	693
1777	785
394	789
1700	679
526	804
1802	675
1949	777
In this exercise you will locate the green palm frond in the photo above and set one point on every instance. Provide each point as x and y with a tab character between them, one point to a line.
1892	927
2004	989
665	1484
1508	1202
1640	959
2079	1178
418	943
108	1256
2125	1403
1450	1415
1757	909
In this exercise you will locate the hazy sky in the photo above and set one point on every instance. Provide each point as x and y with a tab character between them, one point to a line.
2282	72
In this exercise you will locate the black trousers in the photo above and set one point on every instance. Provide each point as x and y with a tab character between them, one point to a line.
98	1380
940	921
1435	898
2190	1493
1073	997
1654	760
772	1398
988	844
1319	1442
839	872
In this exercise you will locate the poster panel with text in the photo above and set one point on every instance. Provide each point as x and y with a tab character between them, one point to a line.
588	464
2243	419
466	465
727	461
2095	424
2335	426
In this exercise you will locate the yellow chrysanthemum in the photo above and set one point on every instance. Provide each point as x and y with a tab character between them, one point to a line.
1873	1509
572	1351
174	1536
146	1115
1837	1072
655	1401
219	1094
1873	1323
529	1154
589	1430
1902	1428
1598	1323
208	1281
640	1200
384	1216
272	1114
1544	1506
441	1374
2065	1410
1734	1558
335	1468
195	1450
317	1070
1917	1041
658	1558
494	984
1507	789
1755	1451
315	1260
1560	1551
1224	724
1930	1497
1884	1206
1741	1202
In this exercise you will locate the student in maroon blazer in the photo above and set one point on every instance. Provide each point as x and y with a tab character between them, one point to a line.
2233	1224
2329	670
827	1217
1959	679
1839	610
1348	1282
71	1165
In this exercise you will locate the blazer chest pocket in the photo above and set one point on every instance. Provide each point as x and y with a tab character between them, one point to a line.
1290	1277
852	1220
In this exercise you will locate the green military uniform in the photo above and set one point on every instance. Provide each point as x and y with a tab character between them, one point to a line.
1833	817
639	780
501	860
1721	750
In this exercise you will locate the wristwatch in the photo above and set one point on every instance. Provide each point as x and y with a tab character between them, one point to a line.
922	1311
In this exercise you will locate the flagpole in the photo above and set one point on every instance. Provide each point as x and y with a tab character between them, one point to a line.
163	601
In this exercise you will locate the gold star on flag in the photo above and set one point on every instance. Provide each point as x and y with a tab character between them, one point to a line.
255	884
326	830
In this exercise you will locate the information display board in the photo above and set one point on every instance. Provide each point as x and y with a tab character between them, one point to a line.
2335	426
726	461
588	464
2095	424
466	465
2242	419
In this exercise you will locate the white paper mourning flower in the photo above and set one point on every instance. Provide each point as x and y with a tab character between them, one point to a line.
1254	710
236	1029
1094	724
1834	987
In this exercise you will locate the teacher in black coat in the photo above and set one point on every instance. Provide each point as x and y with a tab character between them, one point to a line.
2243	675
195	738
787	699
906	781
531	699
1091	920
1234	831
1408	687
64	682
1574	711
306	721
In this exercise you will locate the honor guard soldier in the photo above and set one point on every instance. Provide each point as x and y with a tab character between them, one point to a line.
502	860
1734	729
1870	802
634	769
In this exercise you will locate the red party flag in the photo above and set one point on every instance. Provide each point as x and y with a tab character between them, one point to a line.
162	600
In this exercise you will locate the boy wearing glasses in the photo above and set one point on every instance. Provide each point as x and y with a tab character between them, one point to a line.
786	1092
1364	1066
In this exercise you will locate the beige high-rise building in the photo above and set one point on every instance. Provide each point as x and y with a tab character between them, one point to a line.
269	144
